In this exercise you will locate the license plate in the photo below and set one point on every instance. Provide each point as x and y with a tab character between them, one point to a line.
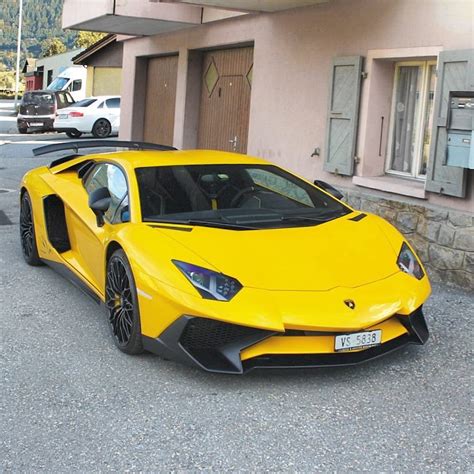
36	124
358	340
63	116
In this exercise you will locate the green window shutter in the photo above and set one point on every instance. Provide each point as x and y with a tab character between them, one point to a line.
343	114
455	73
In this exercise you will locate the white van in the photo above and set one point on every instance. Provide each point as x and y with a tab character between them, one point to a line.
72	79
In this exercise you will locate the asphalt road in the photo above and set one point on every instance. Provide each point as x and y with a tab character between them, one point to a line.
71	402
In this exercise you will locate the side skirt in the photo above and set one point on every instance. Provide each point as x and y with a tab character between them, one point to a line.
64	271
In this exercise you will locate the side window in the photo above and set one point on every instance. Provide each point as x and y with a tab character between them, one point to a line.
117	185
280	185
113	103
96	179
111	177
69	98
101	106
77	85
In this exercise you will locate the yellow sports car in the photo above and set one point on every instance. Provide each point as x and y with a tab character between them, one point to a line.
221	260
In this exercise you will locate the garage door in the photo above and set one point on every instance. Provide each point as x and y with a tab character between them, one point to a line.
225	99
160	100
107	81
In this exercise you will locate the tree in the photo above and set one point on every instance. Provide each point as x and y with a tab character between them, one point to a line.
52	46
7	80
84	39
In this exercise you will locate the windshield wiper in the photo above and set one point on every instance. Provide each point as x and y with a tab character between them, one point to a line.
204	223
323	217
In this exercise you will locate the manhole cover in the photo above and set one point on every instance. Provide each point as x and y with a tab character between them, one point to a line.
4	220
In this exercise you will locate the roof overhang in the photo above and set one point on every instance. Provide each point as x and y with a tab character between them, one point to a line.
147	18
129	18
94	48
252	5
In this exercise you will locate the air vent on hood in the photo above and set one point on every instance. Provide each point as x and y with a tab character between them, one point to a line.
358	218
172	227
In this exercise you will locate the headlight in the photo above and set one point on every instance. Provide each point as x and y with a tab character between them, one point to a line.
408	262
211	285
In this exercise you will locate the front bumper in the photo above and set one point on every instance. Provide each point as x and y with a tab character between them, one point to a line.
219	347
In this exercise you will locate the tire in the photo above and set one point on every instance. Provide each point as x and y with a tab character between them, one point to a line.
102	128
23	130
27	232
75	134
122	304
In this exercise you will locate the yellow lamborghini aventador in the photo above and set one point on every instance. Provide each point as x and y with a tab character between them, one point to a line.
221	260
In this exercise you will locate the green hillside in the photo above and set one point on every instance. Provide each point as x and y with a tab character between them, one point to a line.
41	20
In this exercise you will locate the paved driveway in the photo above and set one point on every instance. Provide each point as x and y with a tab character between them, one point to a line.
71	402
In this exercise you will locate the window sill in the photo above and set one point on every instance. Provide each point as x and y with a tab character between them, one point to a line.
392	184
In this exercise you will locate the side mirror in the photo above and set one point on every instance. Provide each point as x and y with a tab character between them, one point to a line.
99	202
328	188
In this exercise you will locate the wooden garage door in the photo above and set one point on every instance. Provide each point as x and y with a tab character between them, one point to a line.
160	100
225	99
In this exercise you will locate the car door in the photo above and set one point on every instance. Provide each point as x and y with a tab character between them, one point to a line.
113	110
88	239
64	99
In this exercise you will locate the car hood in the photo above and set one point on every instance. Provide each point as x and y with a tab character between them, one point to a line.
338	253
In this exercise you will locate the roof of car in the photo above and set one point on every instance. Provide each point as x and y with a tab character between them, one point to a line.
143	159
102	97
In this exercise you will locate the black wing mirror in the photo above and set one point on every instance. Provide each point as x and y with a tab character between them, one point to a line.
99	202
329	189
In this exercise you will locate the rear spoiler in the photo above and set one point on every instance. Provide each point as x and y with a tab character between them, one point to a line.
76	146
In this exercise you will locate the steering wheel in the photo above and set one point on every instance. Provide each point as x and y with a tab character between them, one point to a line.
240	194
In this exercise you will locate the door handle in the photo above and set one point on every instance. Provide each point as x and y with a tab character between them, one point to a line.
234	143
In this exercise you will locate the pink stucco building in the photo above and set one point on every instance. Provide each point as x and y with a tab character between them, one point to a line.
369	95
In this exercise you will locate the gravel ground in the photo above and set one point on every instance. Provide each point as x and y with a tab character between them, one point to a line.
72	402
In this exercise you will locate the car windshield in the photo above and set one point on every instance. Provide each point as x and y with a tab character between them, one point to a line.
58	84
85	102
37	98
232	196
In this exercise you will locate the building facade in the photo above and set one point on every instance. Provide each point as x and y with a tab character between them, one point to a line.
33	79
373	96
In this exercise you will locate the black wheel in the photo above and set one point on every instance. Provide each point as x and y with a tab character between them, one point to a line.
122	304
74	134
23	130
27	232
102	128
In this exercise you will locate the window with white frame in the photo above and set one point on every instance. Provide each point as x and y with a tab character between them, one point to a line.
411	118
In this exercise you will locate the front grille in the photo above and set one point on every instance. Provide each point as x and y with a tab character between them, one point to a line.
216	345
300	333
203	333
